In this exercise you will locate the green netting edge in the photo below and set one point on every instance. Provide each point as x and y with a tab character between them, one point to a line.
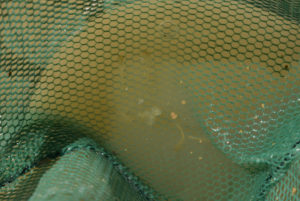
134	181
289	9
272	167
54	137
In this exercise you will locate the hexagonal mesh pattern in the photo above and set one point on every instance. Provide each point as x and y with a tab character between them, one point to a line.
198	99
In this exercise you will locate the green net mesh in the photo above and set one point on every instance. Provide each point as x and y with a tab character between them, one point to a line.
150	100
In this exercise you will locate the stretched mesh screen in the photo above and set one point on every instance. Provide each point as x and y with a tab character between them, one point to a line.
150	100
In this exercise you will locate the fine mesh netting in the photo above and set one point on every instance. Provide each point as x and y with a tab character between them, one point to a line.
124	100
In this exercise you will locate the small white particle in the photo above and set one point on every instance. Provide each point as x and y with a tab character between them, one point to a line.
216	129
140	101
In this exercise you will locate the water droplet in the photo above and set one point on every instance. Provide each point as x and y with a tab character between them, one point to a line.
168	29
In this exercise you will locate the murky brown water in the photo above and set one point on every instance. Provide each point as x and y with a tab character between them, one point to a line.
128	74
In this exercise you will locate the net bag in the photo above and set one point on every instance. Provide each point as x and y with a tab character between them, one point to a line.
123	100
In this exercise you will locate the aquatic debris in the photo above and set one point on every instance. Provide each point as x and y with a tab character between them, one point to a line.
180	143
294	191
140	101
195	138
150	115
173	115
